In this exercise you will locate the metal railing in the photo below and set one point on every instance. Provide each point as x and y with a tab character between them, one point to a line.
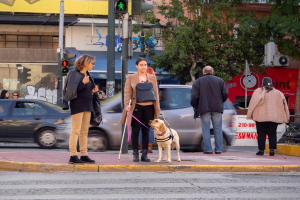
292	134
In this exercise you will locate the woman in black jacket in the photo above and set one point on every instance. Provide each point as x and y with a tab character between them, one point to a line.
79	90
4	94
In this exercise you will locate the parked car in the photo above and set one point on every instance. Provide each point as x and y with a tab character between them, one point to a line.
176	108
23	120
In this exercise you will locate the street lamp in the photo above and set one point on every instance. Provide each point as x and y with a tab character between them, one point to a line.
157	30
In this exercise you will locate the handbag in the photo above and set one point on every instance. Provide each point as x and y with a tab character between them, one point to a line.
145	92
96	115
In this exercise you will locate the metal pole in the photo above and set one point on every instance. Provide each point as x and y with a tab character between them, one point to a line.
60	57
124	59
110	81
142	44
61	29
246	77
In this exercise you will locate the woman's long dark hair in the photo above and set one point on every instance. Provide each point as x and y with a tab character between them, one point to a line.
3	94
139	60
267	84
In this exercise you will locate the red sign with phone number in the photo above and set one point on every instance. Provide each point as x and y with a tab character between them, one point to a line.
244	125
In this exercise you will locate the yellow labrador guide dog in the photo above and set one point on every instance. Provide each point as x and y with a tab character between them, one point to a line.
165	138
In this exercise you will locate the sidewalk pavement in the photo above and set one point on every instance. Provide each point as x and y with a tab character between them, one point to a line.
48	162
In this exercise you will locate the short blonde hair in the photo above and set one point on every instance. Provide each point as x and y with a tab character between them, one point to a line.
85	58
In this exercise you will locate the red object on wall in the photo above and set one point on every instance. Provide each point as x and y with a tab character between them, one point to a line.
285	80
56	82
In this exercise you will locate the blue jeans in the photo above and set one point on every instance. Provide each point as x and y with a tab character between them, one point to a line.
216	119
151	136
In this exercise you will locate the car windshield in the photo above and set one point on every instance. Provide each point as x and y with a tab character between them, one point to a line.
56	107
108	100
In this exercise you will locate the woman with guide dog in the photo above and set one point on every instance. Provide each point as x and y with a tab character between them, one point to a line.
141	88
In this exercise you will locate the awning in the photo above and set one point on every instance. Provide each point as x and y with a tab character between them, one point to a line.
23	20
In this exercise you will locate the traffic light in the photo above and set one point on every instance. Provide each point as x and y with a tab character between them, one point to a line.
139	6
121	6
26	75
66	63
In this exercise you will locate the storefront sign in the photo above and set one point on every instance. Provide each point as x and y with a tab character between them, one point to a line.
283	79
90	7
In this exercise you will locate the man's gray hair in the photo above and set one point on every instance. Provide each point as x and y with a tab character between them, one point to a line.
208	69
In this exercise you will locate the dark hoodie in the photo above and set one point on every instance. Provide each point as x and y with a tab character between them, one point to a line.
3	94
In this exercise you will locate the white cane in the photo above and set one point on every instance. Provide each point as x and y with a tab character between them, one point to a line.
124	133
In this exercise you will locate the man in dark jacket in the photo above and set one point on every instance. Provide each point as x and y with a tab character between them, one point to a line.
208	95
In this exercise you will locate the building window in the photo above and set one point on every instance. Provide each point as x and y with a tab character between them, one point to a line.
29	41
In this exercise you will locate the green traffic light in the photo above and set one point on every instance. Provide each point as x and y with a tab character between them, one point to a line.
121	6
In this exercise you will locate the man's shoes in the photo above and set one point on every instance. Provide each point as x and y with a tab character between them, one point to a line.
217	152
75	160
260	153
87	160
207	152
272	153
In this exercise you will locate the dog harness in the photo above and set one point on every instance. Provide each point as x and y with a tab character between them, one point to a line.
170	137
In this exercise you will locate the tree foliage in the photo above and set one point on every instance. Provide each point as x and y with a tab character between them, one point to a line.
200	34
284	24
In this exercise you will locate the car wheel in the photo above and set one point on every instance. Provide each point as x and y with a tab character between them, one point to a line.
212	140
97	141
46	138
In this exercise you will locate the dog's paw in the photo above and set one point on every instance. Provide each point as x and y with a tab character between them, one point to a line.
178	160
157	161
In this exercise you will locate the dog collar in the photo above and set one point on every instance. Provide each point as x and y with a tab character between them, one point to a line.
162	133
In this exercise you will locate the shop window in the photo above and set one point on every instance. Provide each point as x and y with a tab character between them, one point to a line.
28	41
31	81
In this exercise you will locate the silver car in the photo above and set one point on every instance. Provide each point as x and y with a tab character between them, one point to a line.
176	108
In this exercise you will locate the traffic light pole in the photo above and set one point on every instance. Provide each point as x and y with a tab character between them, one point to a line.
124	71
60	57
110	80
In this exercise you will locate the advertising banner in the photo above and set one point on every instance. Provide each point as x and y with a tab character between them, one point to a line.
283	79
89	7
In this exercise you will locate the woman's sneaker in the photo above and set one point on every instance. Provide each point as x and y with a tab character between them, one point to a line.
75	160
86	159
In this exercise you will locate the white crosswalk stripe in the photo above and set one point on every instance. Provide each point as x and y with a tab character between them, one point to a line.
17	185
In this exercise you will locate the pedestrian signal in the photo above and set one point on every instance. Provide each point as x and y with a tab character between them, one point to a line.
121	6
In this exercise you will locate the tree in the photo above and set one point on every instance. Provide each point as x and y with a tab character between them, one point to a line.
284	24
200	34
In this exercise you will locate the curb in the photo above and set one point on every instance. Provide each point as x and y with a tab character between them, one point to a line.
285	149
51	168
